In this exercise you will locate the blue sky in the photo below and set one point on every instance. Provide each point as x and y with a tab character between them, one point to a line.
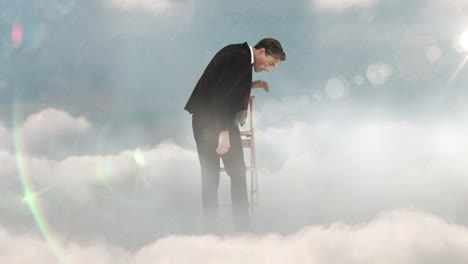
363	132
140	61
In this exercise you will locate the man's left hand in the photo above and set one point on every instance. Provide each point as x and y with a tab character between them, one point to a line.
261	84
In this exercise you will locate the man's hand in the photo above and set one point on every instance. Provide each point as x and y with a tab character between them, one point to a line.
261	84
223	145
243	117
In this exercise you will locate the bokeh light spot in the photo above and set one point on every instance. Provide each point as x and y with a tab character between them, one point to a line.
433	53
318	95
379	73
336	88
359	80
418	58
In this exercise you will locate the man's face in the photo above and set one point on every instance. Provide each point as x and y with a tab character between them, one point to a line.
264	62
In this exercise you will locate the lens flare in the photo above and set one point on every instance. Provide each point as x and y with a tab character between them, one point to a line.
337	88
17	34
359	80
30	195
433	53
317	95
111	177
418	58
464	40
37	35
139	158
460	44
378	73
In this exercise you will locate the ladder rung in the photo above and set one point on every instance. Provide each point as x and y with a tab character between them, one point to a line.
247	168
229	204
246	133
246	143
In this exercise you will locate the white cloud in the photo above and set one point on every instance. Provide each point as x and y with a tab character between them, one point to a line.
6	140
137	18
46	132
340	5
77	177
400	236
145	201
53	122
29	248
394	237
373	166
51	131
155	7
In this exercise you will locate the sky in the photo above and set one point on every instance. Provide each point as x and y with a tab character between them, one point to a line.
361	142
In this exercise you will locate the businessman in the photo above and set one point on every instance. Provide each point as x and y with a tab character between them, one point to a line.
218	105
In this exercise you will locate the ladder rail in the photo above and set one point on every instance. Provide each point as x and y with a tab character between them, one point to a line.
249	142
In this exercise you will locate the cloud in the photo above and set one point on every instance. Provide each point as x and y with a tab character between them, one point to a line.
158	19
340	5
29	248
394	237
46	133
51	131
373	165
53	122
146	192
5	135
80	179
399	236
155	7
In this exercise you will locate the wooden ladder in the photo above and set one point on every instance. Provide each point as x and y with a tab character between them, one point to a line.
248	142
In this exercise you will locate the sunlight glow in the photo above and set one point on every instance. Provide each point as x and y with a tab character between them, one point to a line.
464	40
139	158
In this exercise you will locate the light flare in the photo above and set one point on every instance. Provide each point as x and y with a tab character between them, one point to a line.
30	195
17	34
464	40
109	176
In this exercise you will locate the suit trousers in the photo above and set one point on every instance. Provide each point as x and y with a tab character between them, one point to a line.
207	139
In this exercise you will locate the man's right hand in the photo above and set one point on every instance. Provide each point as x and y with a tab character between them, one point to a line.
223	145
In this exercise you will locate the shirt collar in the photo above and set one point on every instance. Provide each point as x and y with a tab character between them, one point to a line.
252	55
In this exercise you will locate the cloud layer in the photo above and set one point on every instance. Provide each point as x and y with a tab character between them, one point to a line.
49	132
400	236
155	7
51	126
350	171
340	5
325	171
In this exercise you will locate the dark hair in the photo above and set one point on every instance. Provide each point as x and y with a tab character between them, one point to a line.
272	47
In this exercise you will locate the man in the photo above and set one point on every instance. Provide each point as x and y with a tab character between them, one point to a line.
220	95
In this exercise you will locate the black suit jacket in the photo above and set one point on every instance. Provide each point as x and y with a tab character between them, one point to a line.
221	90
